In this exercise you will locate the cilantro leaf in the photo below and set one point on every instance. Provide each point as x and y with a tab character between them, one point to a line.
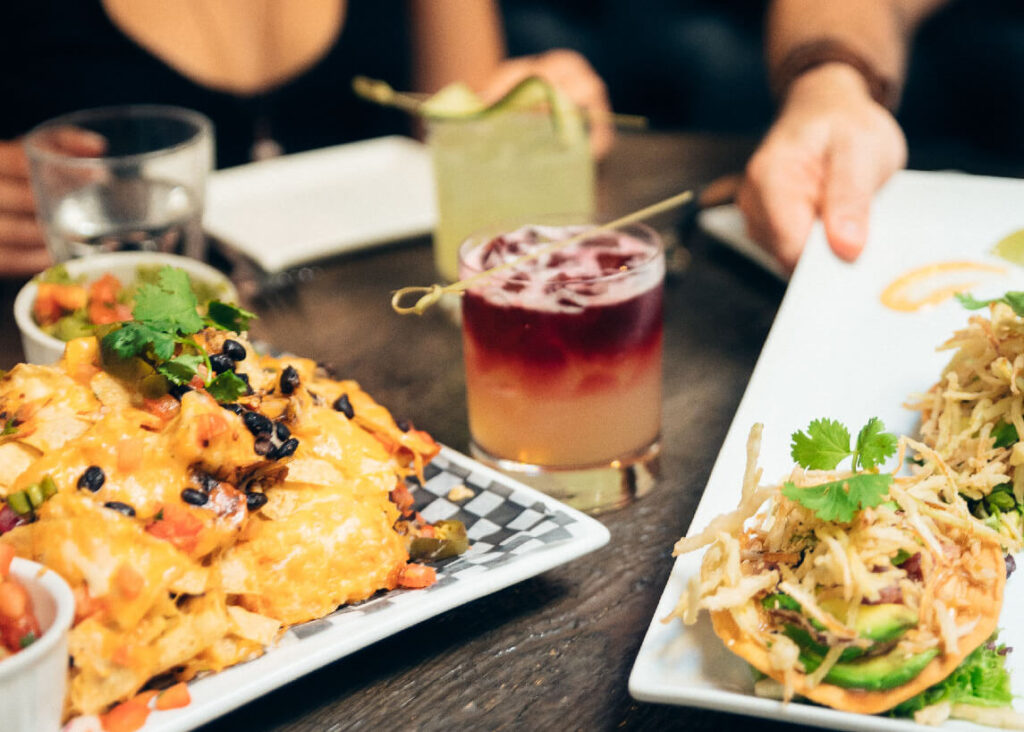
1015	299
10	428
180	369
228	317
839	500
824	446
170	305
227	387
874	445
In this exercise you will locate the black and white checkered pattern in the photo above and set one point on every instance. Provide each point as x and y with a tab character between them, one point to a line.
503	522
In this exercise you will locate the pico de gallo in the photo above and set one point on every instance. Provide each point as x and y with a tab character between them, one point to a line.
68	308
18	625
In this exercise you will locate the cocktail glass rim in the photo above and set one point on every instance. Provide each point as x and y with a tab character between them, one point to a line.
484	236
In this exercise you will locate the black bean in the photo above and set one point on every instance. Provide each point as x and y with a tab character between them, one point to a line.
404	425
283	433
257	423
343	405
289	380
196	498
120	508
236	408
179	390
286	448
221	363
255	501
233	350
1011	565
245	378
92	479
262	445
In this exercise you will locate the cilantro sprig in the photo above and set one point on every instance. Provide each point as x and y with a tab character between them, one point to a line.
165	316
826	444
1015	299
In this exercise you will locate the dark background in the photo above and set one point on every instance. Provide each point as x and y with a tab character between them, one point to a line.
688	65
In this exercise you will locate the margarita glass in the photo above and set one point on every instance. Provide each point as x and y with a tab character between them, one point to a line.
502	166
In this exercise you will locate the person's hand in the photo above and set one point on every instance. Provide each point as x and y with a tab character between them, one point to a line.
22	249
830	150
574	76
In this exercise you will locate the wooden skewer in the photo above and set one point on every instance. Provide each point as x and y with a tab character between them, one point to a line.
430	295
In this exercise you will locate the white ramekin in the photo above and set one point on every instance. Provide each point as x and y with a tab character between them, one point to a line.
33	681
41	348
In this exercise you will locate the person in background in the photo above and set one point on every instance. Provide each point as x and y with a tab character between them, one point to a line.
837	69
274	76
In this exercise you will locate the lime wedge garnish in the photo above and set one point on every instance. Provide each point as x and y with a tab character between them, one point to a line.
459	102
1011	247
455	101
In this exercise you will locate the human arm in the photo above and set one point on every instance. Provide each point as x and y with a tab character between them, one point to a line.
460	40
834	144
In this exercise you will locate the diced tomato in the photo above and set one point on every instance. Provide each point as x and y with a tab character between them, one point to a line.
85	604
145	697
105	289
54	300
166	407
13	600
174	697
428	532
6	555
101	313
417	576
129	581
125	717
17	632
209	425
402	497
177	525
129	454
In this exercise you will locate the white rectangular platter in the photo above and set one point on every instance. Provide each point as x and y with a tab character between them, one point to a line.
515	532
835	351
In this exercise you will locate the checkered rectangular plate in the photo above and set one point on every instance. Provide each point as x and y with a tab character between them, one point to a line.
515	532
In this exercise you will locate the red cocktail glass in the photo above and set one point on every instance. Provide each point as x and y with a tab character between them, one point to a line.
563	360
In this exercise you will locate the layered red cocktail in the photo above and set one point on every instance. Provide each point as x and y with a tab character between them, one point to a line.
563	352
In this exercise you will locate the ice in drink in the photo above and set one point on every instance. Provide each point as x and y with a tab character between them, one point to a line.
563	352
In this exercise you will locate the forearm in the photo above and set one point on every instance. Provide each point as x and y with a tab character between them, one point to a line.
455	40
878	31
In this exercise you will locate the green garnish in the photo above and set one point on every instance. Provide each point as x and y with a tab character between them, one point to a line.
823	447
10	428
28	639
1004	433
1014	299
981	679
227	387
165	316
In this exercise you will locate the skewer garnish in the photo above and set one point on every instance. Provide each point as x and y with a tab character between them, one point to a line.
431	294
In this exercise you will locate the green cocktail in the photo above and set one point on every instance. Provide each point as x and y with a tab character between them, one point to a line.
510	161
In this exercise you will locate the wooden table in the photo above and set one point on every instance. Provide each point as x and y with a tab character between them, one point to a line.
553	652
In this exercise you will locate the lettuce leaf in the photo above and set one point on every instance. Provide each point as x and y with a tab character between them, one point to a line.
980	679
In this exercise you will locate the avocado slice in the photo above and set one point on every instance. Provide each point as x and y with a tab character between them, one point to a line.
884	622
879	673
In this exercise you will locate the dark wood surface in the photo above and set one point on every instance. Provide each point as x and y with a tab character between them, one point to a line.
553	652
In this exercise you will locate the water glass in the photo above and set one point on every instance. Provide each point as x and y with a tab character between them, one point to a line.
563	360
140	185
